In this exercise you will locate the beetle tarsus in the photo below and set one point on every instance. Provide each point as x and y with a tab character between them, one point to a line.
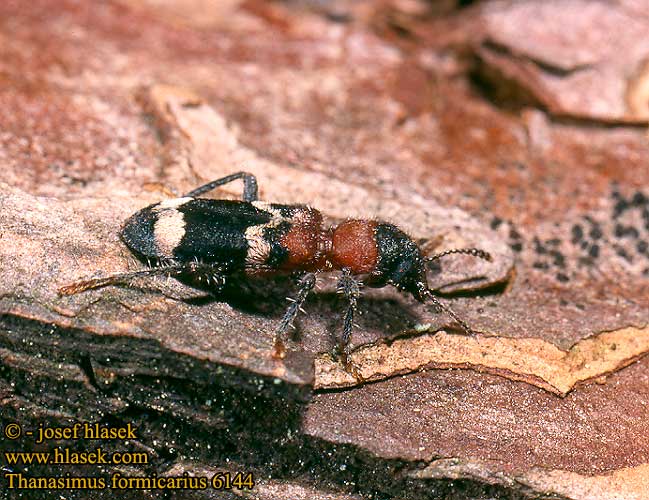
305	285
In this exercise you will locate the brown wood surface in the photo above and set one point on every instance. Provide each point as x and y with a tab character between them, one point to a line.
517	127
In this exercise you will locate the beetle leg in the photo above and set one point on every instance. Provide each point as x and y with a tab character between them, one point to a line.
429	294
348	286
125	278
306	284
250	191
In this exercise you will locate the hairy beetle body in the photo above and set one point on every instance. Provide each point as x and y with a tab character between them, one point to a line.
254	238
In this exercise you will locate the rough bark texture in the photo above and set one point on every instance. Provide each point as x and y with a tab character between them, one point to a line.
509	126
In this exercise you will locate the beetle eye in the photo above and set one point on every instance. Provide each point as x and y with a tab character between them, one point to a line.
401	273
403	268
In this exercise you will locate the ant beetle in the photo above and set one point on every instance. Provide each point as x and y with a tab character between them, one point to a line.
231	238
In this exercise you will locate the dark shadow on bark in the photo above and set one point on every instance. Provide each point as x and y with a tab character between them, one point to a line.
183	409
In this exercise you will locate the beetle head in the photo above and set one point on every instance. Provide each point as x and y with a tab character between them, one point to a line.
400	262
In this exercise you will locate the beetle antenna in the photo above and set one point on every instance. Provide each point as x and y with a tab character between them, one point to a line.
476	252
428	293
